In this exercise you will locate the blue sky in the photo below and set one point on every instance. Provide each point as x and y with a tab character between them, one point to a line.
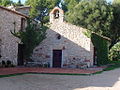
109	0
18	0
25	0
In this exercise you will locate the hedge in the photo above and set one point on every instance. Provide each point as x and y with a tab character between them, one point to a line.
101	45
114	54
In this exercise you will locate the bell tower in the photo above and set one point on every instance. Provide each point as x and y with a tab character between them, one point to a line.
56	15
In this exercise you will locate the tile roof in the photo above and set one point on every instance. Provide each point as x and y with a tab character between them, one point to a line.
12	11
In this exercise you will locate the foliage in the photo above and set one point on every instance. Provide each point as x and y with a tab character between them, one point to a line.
10	2
87	33
69	4
102	47
41	8
116	1
5	2
18	3
115	52
113	65
31	37
94	15
115	25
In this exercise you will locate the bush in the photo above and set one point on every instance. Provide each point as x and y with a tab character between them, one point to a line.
114	54
102	47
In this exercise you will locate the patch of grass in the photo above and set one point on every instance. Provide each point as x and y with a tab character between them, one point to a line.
63	74
99	72
10	75
75	74
113	65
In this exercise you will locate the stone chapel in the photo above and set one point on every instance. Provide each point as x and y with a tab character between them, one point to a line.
65	45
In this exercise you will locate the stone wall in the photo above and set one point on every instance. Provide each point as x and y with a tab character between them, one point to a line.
75	46
9	43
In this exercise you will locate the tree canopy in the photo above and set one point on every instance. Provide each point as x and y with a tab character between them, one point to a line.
41	8
6	2
116	1
18	3
115	27
115	52
69	4
95	15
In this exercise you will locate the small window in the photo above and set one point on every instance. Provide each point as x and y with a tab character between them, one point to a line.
22	24
56	14
58	36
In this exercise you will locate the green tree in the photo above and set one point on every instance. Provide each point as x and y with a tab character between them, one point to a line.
116	1
41	8
5	2
114	54
18	3
94	15
0	2
30	37
69	4
115	26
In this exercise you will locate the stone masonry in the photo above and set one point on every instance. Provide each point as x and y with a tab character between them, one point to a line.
9	43
76	47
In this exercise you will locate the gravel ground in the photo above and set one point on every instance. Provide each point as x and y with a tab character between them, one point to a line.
109	80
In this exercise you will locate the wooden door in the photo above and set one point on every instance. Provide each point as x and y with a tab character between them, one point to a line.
57	58
20	54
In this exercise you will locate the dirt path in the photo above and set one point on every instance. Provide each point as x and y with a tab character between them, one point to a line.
106	81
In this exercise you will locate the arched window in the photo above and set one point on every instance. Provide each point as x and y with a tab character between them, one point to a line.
56	14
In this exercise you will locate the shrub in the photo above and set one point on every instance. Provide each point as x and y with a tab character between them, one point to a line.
102	47
114	54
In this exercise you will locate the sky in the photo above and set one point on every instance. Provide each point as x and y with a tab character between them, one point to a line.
25	0
18	0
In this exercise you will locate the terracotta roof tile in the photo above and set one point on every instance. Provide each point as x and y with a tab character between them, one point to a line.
15	12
